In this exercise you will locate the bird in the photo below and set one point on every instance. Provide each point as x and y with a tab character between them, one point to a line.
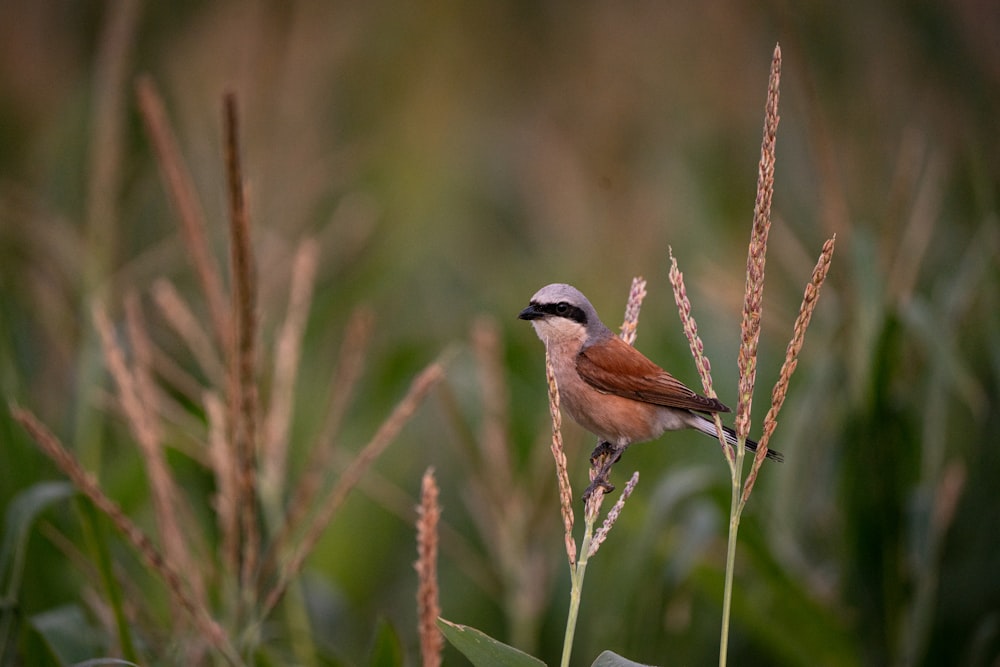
610	388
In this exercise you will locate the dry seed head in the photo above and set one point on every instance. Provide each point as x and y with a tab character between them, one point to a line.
226	472
753	294
613	514
428	606
808	305
690	327
274	451
242	355
559	454
486	346
592	508
809	300
636	294
183	195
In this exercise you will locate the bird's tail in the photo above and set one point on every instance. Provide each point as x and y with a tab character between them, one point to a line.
708	428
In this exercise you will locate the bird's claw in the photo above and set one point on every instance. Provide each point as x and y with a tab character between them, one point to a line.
598	483
602	458
604	448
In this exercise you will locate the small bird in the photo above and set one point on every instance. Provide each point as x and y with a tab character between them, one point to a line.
609	387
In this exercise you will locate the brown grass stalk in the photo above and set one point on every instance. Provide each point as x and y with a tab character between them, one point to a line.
329	505
186	325
243	399
690	327
754	291
175	583
104	166
168	501
493	434
350	364
288	351
137	401
559	454
428	605
750	336
183	196
223	465
142	423
701	361
592	506
630	325
184	389
601	533
809	300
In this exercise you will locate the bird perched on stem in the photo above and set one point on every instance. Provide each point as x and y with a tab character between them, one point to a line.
610	388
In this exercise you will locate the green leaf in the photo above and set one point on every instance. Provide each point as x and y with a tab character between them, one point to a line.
611	659
482	650
67	634
21	513
387	650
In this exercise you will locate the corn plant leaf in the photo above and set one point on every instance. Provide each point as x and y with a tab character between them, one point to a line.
387	651
67	634
482	650
20	515
612	659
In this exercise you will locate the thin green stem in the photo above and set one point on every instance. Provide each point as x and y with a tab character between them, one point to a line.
577	572
735	511
727	594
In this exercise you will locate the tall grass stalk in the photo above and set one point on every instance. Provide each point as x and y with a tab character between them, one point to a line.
220	600
104	169
749	338
750	334
428	599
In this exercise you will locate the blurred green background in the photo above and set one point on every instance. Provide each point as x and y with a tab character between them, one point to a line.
451	158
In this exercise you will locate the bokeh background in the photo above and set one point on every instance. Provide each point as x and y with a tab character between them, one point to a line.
451	158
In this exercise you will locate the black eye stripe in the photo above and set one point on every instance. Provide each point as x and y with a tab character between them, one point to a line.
563	309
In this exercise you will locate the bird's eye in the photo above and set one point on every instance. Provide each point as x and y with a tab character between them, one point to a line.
562	308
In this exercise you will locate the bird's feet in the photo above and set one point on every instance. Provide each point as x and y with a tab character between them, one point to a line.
602	458
598	483
604	448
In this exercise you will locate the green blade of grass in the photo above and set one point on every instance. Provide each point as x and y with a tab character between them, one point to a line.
482	650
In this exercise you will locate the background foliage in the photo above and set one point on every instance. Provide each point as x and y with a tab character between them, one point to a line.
451	158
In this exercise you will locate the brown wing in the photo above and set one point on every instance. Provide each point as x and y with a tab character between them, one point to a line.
614	367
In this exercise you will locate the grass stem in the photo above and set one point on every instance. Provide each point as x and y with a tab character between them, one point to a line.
735	512
577	573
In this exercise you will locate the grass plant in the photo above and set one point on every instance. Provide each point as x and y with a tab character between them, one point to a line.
749	340
224	596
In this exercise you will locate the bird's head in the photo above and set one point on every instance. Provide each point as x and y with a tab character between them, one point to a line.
561	313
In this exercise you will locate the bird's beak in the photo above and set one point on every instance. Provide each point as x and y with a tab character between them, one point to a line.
531	313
